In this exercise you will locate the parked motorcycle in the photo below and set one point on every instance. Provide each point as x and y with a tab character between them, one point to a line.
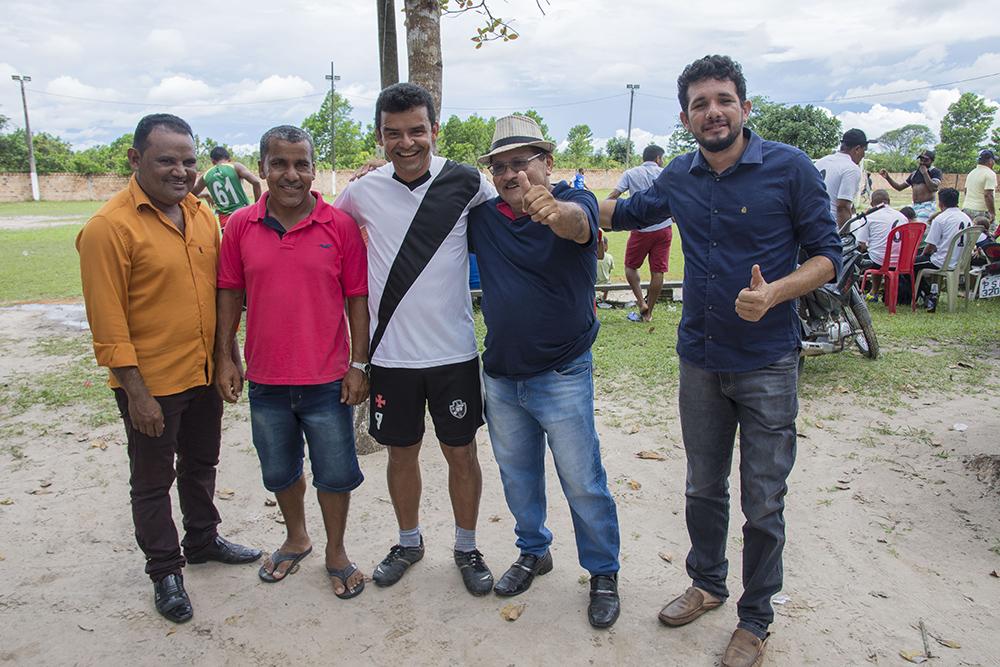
834	316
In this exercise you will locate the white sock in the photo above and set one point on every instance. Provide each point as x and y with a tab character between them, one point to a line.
410	538
465	540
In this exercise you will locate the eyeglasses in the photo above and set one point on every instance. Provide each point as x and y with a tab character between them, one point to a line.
497	168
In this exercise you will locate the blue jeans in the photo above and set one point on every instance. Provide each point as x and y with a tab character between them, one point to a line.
557	407
279	417
763	403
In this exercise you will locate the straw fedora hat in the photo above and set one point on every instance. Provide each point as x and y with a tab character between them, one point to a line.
516	132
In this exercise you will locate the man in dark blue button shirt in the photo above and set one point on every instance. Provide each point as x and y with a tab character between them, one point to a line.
744	207
536	247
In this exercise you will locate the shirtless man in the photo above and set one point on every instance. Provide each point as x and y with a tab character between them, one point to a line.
925	182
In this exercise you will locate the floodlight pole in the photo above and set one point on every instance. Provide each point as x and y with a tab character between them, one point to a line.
27	131
333	79
632	87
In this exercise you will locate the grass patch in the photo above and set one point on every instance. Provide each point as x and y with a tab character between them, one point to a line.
50	208
39	264
616	246
76	382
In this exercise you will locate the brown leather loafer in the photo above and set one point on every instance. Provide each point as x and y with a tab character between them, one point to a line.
687	607
745	650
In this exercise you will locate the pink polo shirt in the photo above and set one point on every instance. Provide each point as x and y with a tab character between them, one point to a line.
296	285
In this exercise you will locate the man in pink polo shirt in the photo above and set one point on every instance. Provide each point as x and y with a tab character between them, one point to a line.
298	260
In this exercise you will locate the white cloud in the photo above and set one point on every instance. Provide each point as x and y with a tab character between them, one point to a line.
68	85
880	119
272	88
180	90
882	89
167	43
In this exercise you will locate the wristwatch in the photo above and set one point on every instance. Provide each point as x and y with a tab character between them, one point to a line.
365	368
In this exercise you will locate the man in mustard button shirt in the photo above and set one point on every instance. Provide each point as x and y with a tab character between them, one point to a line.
148	263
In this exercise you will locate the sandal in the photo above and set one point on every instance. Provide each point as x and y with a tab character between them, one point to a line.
277	558
634	317
344	575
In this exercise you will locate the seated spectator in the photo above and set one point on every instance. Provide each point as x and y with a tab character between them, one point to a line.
909	214
872	238
605	264
945	224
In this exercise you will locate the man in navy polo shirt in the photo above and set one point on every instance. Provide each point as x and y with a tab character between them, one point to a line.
744	207
536	248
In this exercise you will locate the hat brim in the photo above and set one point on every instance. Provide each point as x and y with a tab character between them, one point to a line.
546	146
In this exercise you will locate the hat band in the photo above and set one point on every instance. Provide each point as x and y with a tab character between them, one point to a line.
500	143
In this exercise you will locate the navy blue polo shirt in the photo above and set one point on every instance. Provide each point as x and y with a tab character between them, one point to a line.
538	289
759	211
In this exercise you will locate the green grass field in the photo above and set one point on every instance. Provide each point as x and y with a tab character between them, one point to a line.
42	264
53	208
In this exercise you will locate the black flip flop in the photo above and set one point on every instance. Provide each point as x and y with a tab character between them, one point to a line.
344	575
278	558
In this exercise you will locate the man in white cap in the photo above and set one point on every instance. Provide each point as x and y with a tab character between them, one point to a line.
538	369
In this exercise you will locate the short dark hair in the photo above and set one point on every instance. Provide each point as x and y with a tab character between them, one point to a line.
908	212
289	133
651	152
402	97
948	197
718	67
219	153
879	196
149	123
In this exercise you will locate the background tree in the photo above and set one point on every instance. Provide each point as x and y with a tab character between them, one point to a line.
681	141
964	130
579	151
619	148
465	140
352	150
907	140
995	139
52	154
808	128
105	158
388	55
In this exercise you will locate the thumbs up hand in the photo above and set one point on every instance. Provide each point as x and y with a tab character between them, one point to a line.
754	301
536	200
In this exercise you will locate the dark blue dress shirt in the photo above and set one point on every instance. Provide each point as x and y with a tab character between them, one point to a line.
759	211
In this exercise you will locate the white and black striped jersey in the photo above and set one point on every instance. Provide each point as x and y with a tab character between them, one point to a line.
418	261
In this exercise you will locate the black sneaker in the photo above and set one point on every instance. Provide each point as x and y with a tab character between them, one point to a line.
477	577
399	559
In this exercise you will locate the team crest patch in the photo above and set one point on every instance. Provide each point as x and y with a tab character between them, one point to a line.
457	408
378	421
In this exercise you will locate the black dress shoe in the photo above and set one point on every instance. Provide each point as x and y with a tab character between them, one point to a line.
604	603
518	578
171	599
224	551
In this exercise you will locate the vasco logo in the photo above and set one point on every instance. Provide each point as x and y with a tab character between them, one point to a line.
457	408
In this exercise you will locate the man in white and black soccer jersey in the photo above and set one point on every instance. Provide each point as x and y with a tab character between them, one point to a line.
423	344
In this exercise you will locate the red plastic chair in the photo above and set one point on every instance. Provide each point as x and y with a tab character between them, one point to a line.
906	238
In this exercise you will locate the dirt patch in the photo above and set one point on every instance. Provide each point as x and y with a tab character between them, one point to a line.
36	221
886	525
987	470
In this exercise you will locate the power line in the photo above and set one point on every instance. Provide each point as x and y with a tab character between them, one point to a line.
534	106
868	95
148	104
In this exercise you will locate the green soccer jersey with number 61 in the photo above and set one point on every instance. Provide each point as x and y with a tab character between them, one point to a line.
225	188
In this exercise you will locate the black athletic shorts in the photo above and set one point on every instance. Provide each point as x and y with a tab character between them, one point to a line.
397	397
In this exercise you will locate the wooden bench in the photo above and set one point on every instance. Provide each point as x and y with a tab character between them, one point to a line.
668	288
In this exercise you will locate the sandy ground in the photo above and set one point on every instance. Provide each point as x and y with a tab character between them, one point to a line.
882	531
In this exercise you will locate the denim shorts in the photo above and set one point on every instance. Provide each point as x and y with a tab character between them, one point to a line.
284	417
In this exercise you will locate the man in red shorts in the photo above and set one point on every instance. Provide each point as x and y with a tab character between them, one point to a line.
652	242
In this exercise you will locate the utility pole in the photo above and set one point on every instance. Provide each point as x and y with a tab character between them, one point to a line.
333	79
632	87
27	131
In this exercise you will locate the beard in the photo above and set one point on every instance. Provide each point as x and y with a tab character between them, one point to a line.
721	144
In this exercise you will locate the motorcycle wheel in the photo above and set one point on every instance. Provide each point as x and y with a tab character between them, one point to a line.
861	321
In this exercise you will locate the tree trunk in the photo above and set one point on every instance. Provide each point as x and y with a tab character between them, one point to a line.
364	443
423	46
388	56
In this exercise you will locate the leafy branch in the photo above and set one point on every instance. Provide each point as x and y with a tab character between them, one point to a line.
494	27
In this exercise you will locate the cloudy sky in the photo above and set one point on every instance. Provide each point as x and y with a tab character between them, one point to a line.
233	70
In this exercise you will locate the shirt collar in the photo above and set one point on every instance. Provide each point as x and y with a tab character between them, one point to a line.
752	154
321	213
